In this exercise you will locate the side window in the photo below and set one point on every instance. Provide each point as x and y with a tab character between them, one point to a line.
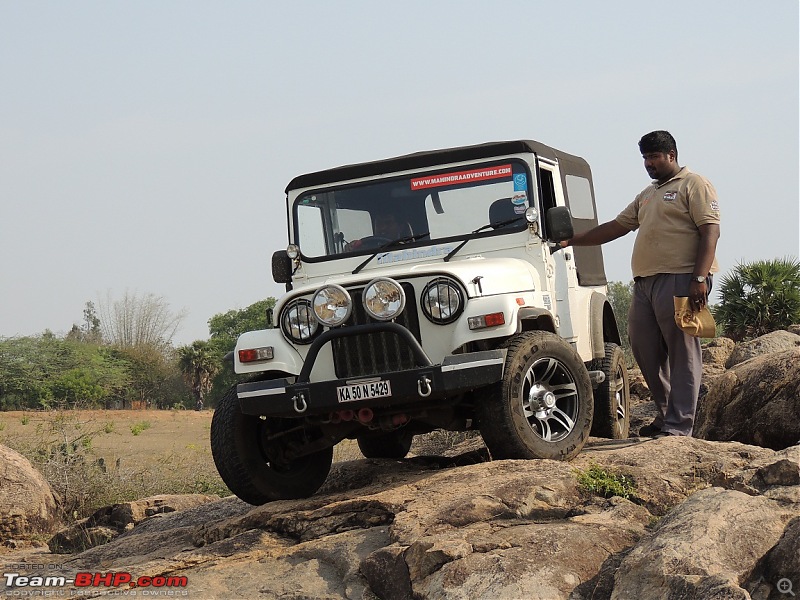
548	190
579	192
311	229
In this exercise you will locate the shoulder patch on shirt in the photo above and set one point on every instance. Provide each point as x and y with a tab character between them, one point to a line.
670	196
714	205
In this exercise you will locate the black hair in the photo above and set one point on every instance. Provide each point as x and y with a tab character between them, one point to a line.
658	141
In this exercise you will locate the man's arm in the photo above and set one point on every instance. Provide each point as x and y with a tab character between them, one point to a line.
698	292
601	234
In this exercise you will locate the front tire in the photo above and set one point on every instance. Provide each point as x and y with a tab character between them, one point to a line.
612	398
542	408
394	444
251	465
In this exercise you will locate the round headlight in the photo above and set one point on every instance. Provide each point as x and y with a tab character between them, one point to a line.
332	305
442	301
298	322
293	251
384	299
531	214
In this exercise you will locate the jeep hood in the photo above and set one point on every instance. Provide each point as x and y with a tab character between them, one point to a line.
480	276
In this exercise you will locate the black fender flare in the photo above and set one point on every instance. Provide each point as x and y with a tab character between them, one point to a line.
530	318
602	325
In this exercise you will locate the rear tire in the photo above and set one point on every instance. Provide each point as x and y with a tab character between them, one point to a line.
612	398
542	408
252	466
393	444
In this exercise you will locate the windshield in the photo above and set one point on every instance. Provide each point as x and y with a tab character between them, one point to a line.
420	209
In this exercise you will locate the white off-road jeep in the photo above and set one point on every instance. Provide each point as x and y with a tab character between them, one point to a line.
427	291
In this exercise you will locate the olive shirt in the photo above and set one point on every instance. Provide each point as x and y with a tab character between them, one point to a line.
668	216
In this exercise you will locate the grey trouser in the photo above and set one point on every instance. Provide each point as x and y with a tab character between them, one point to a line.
671	360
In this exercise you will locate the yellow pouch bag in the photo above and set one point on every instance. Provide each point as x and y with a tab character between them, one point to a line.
698	324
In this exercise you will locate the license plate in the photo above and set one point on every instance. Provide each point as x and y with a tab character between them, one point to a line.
364	391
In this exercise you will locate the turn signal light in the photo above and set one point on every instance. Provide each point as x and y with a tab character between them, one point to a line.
256	354
483	321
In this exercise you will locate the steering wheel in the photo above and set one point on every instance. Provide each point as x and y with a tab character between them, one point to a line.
373	241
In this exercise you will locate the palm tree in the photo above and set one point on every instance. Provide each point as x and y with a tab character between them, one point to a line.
198	364
759	297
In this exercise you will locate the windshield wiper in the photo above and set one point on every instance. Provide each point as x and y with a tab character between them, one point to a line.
496	225
402	240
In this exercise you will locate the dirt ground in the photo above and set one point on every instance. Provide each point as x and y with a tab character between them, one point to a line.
181	434
146	451
111	456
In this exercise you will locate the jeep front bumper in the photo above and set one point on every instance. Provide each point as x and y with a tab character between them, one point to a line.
422	384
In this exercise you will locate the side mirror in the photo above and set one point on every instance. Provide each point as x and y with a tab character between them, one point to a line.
281	267
559	224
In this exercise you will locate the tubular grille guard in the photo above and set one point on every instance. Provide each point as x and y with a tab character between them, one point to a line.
374	353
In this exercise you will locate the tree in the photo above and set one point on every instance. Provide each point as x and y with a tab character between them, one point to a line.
134	321
89	330
225	328
154	377
38	372
199	363
759	297
620	295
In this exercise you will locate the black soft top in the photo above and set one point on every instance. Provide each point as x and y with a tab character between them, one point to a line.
588	259
420	160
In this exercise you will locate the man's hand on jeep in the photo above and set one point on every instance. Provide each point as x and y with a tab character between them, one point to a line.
354	245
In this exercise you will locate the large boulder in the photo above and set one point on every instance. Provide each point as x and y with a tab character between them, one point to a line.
703	548
717	352
756	402
28	505
776	341
782	561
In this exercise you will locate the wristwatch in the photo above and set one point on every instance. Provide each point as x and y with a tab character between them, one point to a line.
698	278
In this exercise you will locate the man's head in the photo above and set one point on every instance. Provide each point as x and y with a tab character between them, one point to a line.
660	153
386	225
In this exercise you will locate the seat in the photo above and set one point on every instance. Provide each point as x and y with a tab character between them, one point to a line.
502	211
405	229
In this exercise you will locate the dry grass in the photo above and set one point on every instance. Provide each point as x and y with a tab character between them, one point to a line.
95	458
98	457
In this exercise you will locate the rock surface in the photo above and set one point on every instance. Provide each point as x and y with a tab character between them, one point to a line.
27	503
706	520
776	341
108	522
716	354
755	402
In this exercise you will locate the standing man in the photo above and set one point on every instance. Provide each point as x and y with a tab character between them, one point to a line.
677	217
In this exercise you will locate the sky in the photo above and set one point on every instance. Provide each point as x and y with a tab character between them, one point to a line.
145	146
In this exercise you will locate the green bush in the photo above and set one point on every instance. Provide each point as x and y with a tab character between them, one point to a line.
604	483
139	427
759	297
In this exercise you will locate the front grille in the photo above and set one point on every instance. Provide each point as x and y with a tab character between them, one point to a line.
368	354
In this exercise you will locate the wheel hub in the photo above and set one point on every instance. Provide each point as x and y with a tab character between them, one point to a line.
542	400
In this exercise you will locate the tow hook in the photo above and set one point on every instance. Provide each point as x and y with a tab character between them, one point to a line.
424	386
300	405
597	378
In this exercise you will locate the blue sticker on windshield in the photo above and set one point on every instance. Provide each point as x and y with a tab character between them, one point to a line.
520	182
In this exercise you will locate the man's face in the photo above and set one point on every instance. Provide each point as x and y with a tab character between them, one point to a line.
386	226
659	165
